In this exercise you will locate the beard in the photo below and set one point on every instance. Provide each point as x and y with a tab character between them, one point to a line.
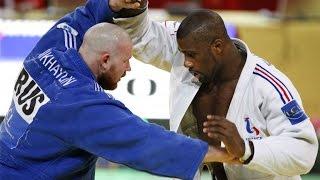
203	78
106	82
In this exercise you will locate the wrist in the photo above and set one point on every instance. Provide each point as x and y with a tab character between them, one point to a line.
248	153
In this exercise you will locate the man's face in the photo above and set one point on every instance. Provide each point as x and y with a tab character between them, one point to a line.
118	66
198	58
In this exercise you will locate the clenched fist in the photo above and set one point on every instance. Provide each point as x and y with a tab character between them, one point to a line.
117	5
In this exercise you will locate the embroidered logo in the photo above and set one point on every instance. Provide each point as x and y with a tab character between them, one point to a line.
251	129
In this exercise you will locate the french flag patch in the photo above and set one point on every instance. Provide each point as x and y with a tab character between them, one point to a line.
294	112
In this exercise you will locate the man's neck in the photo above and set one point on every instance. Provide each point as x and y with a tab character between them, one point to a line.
233	66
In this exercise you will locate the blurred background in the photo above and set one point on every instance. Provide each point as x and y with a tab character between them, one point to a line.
284	32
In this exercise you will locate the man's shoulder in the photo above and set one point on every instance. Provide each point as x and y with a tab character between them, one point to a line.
269	72
270	82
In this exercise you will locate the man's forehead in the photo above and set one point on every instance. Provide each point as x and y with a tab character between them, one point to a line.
189	45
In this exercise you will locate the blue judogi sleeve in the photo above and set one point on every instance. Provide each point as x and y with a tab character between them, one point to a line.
68	32
110	130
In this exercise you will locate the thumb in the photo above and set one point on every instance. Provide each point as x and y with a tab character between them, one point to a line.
234	161
131	5
217	154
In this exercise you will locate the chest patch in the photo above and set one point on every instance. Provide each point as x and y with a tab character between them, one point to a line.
252	131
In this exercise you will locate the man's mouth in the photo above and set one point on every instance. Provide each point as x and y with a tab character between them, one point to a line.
123	75
196	74
196	78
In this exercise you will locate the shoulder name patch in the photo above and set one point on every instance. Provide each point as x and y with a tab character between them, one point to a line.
294	112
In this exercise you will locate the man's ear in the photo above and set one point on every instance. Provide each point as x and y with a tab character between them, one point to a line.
217	46
104	61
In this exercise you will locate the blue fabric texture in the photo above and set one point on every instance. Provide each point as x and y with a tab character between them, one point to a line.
61	120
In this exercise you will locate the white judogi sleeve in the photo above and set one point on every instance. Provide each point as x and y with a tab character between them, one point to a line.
154	43
292	145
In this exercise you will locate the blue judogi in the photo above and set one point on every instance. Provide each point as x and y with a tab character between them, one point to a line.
61	120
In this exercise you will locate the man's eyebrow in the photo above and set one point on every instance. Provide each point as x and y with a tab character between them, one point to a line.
187	50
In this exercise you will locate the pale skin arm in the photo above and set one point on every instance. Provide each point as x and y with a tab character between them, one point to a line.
117	5
218	154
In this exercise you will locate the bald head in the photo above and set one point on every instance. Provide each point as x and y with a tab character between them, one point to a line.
203	25
106	49
105	37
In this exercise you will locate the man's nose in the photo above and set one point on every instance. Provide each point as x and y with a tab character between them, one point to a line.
187	64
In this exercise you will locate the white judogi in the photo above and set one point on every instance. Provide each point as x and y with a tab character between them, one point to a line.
266	107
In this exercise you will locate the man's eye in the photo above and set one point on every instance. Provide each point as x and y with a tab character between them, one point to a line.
189	54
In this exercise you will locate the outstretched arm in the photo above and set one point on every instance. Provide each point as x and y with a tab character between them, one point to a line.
111	131
68	32
154	43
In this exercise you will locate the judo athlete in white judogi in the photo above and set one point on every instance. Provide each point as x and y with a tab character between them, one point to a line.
217	84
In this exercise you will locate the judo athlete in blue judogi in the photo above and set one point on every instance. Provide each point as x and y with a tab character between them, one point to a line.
61	120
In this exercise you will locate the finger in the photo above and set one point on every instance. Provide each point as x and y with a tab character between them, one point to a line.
221	135
217	118
209	123
132	1
224	123
224	155
213	129
210	117
132	5
217	136
221	119
214	118
215	123
234	161
217	154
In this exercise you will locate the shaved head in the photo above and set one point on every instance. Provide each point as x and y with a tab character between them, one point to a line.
106	49
105	37
204	26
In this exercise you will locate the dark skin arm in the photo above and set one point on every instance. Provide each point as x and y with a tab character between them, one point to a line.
220	128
